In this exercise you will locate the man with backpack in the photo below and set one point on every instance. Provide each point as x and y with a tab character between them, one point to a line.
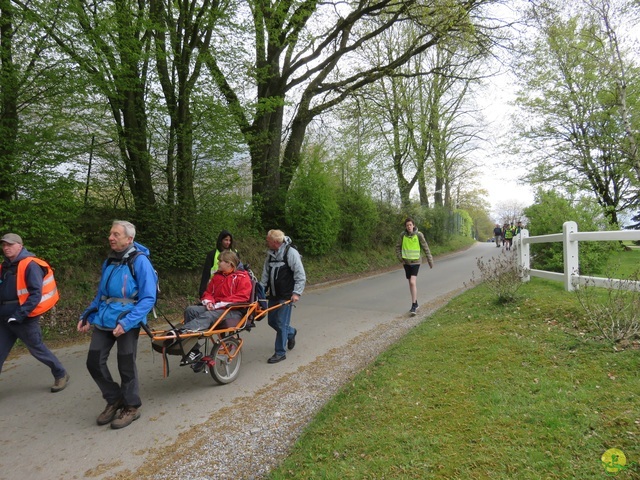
126	295
284	278
27	290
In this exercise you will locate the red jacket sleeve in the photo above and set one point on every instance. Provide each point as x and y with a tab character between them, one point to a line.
208	293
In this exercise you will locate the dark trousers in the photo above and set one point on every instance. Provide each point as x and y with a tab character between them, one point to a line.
31	335
102	342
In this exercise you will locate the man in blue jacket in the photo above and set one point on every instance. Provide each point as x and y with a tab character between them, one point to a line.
126	295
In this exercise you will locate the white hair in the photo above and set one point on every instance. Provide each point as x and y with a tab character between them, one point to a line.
129	228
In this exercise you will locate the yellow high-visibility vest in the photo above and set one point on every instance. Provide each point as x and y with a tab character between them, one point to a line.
411	247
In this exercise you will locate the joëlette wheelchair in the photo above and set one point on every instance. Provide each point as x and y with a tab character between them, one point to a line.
223	343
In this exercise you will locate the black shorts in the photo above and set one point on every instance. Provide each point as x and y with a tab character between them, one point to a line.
411	270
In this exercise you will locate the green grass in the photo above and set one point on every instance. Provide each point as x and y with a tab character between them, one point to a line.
482	391
625	264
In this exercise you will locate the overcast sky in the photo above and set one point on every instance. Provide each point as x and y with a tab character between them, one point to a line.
501	177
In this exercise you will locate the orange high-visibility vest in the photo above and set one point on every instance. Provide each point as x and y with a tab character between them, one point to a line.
50	295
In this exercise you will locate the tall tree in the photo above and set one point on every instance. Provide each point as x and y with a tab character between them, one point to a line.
8	103
609	12
182	36
576	128
110	42
38	92
420	111
307	52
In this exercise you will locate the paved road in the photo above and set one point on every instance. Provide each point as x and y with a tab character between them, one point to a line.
53	436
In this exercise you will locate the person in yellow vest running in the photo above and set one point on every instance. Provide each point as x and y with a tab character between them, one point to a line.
408	252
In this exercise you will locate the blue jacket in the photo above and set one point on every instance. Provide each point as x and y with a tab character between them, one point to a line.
121	298
9	306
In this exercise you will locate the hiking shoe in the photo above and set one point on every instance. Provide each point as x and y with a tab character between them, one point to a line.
193	357
109	413
291	343
414	308
275	358
60	383
126	417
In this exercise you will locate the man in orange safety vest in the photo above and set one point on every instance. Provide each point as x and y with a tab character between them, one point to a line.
27	290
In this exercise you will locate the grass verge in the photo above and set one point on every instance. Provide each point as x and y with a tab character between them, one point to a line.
624	264
481	391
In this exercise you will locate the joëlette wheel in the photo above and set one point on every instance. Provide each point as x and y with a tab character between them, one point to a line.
227	367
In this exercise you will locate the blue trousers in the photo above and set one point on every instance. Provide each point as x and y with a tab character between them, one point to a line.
280	319
102	342
31	335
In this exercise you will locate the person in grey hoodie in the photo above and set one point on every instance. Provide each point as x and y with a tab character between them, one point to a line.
408	252
284	278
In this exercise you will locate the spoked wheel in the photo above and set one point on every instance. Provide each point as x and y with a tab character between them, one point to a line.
227	362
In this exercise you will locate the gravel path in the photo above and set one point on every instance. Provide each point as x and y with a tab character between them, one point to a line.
253	437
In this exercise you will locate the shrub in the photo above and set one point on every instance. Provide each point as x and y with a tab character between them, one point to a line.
389	226
547	216
312	212
358	217
465	223
440	223
615	311
46	220
502	275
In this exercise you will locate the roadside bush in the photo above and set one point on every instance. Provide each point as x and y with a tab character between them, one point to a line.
436	221
389	226
358	217
312	212
547	215
440	223
46	221
465	226
502	275
614	312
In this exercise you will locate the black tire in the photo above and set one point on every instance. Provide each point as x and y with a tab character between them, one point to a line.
226	369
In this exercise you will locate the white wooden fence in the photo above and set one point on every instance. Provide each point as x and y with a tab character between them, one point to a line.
570	237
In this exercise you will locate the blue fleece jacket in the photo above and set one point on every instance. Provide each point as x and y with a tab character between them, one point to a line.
121	298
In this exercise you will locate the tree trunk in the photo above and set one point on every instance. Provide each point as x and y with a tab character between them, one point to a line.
265	147
9	104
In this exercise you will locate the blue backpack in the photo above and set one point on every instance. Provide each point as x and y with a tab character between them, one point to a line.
257	292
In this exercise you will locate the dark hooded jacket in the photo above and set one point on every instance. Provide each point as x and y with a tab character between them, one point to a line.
211	262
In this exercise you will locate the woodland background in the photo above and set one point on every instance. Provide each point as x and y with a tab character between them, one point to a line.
330	120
